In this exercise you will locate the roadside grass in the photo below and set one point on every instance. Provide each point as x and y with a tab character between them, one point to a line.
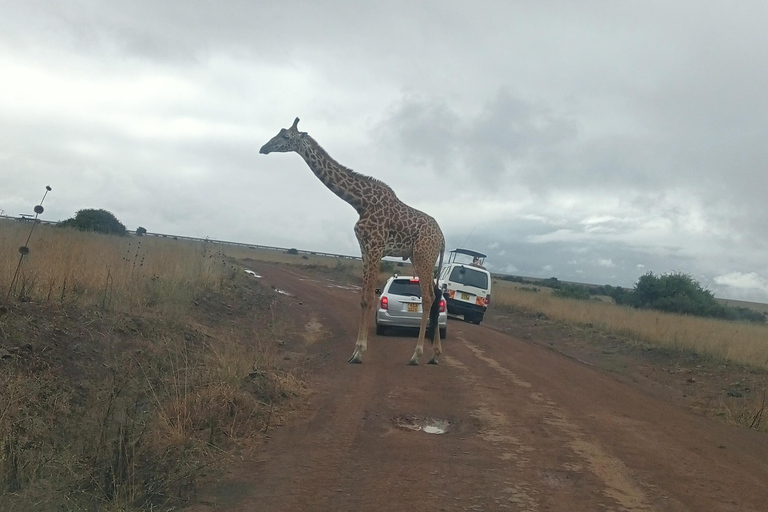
130	368
740	342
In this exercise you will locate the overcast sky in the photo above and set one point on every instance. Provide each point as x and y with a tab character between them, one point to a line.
589	141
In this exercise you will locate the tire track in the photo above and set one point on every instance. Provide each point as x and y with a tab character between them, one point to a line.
619	483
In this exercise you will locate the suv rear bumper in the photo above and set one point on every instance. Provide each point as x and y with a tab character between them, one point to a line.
458	307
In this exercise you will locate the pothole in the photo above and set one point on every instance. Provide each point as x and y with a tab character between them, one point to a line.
313	330
426	425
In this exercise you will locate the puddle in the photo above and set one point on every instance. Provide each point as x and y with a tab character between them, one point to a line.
437	426
283	292
342	287
426	425
252	273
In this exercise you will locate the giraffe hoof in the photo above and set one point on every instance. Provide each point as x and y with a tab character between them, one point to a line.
413	362
433	361
356	360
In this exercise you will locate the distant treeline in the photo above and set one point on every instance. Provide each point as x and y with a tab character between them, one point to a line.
673	293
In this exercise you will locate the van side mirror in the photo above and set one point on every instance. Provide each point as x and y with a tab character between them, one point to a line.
377	291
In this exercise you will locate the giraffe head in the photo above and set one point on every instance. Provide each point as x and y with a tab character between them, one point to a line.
287	140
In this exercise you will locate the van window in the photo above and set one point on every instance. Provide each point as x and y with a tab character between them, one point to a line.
405	287
469	277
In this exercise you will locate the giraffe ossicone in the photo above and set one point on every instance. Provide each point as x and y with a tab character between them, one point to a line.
387	227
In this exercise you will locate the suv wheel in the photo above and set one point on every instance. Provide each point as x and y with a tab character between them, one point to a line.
443	332
379	329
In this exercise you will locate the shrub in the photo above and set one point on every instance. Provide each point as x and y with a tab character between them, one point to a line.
619	295
680	293
387	267
140	231
572	291
100	221
292	250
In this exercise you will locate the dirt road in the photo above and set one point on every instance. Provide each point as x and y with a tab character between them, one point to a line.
530	430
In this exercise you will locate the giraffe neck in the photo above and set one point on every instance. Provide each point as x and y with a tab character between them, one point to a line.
344	182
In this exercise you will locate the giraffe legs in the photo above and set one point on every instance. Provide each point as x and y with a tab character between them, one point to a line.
423	262
371	260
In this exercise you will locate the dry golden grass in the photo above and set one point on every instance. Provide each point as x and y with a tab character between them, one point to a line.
737	341
127	273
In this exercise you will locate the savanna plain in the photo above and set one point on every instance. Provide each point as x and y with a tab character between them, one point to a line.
145	373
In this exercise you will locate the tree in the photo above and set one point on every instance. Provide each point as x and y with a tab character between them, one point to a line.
100	221
676	293
140	231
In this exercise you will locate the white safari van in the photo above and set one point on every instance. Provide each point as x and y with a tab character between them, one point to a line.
466	284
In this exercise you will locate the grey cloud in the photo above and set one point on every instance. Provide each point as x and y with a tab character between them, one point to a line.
507	136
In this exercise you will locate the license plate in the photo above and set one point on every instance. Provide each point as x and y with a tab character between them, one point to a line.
464	296
413	308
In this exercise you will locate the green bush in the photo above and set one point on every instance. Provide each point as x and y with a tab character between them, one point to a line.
387	266
100	221
680	293
551	282
292	251
617	293
572	291
675	293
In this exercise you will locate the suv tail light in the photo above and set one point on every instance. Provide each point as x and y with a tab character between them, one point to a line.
384	303
442	305
488	299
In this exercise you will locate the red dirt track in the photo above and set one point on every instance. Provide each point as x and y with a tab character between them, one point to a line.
531	430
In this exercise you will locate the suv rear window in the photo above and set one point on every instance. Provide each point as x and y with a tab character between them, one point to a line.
469	277
405	287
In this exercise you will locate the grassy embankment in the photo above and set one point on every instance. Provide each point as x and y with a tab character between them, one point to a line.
129	367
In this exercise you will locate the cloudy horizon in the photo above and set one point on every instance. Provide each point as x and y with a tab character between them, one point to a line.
590	141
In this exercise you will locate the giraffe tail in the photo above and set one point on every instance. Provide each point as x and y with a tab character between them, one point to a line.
434	311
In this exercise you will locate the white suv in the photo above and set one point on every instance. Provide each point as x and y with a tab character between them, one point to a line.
466	286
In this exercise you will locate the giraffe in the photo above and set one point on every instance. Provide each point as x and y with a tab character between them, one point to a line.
387	227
